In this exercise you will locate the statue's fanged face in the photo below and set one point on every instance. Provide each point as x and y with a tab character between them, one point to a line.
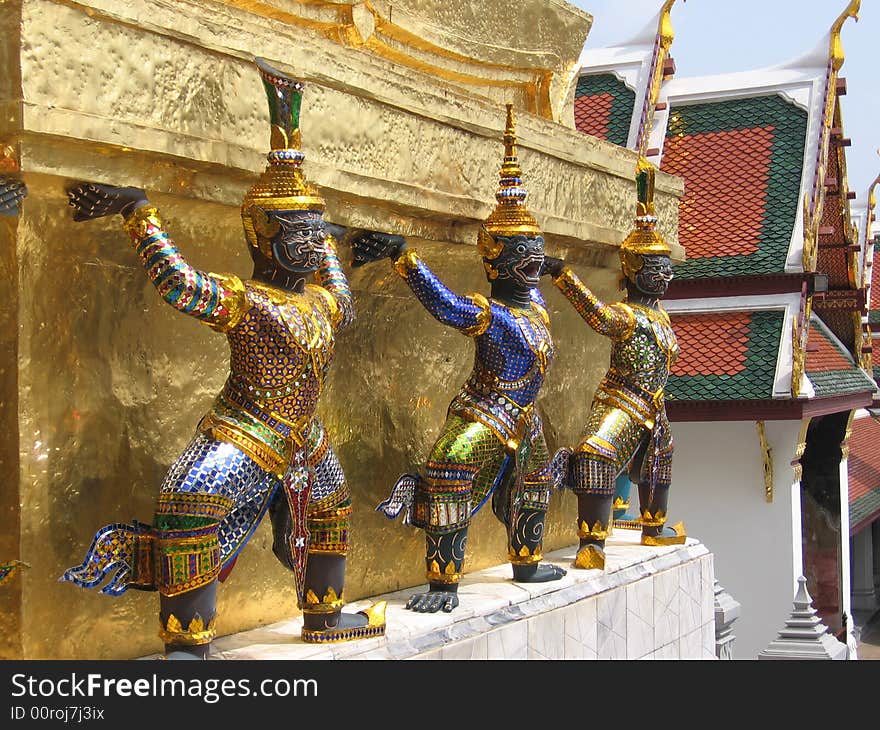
654	276
520	260
299	244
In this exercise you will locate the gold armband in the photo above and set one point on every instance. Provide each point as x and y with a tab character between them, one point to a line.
137	223
484	316
236	304
406	262
566	276
332	304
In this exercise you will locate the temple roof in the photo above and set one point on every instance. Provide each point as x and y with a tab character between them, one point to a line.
618	87
829	365
603	107
874	285
725	355
767	303
863	466
741	160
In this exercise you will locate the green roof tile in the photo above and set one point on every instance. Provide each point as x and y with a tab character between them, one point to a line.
753	382
864	507
616	123
780	200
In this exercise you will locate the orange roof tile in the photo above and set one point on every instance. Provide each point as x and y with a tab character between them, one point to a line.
863	468
592	114
711	344
726	176
875	280
822	355
833	261
725	355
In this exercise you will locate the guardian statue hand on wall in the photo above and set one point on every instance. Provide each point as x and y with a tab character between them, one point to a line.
260	448
627	427
491	447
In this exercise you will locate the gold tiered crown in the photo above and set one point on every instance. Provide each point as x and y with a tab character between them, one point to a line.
282	186
510	217
644	239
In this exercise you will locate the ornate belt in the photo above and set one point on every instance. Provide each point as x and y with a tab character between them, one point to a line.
641	404
504	416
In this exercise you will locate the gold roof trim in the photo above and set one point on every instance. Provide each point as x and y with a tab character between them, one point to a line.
835	50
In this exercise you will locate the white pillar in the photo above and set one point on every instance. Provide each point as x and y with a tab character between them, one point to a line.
864	596
845	567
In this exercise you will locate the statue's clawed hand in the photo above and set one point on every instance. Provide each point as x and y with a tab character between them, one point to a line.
552	266
374	245
90	200
433	601
12	192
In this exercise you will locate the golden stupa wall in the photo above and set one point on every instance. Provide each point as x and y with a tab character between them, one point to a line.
102	384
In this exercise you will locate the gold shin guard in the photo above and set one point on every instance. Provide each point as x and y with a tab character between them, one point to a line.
196	634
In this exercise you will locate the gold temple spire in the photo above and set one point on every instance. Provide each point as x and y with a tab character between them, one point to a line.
510	216
665	36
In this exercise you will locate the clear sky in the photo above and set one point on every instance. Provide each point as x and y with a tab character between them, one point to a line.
720	36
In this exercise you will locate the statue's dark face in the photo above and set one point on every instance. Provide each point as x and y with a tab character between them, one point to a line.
654	276
298	246
520	259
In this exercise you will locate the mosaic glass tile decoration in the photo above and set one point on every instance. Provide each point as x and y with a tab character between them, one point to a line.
741	160
725	355
603	107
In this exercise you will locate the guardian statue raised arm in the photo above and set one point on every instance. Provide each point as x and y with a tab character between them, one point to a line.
260	447
627	427
492	444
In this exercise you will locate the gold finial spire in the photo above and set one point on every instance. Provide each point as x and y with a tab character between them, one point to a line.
511	172
872	200
836	47
282	186
644	188
510	216
643	240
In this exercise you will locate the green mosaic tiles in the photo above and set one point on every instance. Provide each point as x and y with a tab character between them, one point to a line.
603	107
864	507
780	199
754	382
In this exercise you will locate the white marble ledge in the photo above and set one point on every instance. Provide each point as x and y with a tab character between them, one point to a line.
489	600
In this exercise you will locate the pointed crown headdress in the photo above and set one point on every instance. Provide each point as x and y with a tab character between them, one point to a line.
282	186
643	240
510	216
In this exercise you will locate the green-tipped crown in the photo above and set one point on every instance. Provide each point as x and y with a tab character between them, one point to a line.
284	95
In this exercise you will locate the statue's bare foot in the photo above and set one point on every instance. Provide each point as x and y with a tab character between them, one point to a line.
433	601
537	573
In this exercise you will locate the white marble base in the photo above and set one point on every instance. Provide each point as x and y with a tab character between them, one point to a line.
649	603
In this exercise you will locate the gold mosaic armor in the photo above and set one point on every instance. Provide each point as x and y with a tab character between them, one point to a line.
628	402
